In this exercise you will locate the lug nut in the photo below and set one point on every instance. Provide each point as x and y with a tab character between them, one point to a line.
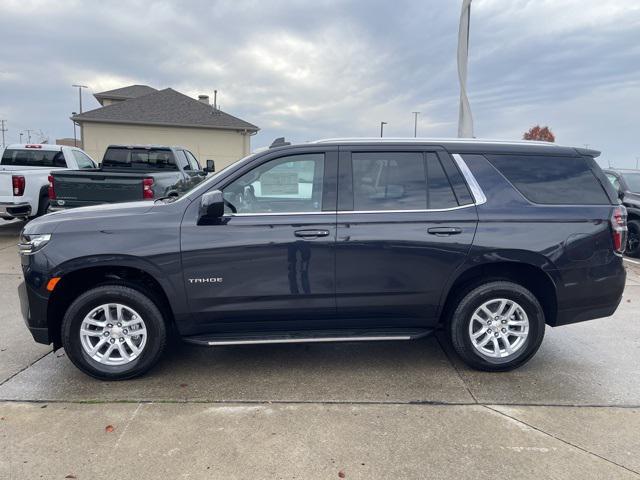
497	334
106	334
113	340
125	331
488	330
109	325
504	330
119	324
122	339
504	321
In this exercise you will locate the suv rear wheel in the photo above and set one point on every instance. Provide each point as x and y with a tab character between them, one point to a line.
497	326
113	332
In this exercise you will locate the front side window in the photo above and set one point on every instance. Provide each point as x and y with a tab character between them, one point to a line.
614	181
389	181
193	162
633	181
182	160
290	184
83	160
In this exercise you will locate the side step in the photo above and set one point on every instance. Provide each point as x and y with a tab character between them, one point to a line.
308	336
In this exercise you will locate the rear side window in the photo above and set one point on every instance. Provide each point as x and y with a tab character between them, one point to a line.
139	158
552	180
33	158
389	181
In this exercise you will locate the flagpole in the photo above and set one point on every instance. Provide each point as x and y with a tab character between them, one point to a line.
465	118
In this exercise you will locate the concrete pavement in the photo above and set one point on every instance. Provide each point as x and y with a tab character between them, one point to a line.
378	410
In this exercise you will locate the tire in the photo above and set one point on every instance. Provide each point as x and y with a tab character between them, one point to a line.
633	241
138	311
527	324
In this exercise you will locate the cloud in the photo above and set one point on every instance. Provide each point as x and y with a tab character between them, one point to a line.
337	68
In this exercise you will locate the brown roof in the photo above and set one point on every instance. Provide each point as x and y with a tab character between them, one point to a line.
165	107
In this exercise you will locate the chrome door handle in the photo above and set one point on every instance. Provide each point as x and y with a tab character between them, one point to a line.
311	233
443	231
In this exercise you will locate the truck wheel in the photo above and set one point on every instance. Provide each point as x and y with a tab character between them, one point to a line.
497	326
633	241
113	332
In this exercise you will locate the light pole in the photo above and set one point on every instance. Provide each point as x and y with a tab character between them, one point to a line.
382	124
637	158
415	124
80	87
75	140
21	136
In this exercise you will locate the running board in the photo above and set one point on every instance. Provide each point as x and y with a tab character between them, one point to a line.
308	336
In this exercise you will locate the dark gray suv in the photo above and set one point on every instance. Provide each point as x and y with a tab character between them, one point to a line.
337	240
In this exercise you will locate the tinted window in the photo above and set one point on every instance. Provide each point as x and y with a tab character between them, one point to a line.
139	158
614	181
82	160
284	185
389	181
457	181
633	181
33	158
440	192
552	180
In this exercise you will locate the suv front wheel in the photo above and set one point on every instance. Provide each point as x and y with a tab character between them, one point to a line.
113	332
497	326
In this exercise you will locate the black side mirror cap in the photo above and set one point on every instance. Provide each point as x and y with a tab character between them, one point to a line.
211	166
620	194
211	206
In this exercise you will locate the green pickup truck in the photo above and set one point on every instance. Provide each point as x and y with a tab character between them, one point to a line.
128	173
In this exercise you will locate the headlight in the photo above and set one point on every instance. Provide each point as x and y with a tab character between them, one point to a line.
30	244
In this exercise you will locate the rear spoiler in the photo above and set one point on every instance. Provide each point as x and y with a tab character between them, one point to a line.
588	152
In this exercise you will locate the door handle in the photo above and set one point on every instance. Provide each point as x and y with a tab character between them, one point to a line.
443	231
311	233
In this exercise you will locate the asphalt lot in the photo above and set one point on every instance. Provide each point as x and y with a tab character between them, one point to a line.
363	411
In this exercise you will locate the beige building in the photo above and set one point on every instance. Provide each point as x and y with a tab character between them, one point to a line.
139	114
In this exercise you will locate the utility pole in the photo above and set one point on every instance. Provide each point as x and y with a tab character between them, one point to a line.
29	134
80	87
75	141
382	124
415	124
4	129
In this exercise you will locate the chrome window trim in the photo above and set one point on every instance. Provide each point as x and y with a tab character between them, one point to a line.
426	140
476	191
276	214
345	212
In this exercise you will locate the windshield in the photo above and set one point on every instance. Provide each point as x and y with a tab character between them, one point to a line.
33	158
633	181
139	158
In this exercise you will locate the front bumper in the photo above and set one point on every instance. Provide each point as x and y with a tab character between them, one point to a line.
34	312
12	210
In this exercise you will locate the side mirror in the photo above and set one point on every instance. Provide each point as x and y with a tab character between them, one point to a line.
211	205
211	166
620	194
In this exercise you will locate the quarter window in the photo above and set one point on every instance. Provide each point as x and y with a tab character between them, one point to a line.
552	180
192	160
389	181
83	160
285	185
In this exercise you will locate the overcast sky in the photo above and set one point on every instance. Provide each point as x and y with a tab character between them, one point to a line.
308	70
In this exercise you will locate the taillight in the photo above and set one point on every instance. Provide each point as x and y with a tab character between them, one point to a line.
18	183
147	190
619	228
52	190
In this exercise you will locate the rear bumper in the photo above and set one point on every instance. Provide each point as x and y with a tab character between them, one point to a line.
590	293
12	210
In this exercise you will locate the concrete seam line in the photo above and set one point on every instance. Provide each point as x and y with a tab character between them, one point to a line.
475	400
309	402
23	369
566	442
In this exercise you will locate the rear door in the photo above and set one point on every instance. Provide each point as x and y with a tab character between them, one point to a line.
406	221
272	257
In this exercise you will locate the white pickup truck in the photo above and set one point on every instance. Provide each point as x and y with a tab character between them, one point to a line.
24	176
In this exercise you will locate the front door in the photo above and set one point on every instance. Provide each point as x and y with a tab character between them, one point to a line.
406	221
272	257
